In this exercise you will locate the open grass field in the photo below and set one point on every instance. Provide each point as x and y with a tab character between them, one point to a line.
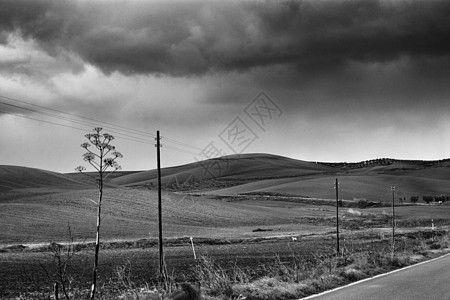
132	214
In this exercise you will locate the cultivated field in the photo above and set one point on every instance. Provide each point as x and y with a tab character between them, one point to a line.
132	214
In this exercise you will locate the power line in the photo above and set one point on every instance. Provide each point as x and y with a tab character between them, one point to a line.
178	149
69	120
81	117
42	121
72	127
125	137
126	133
181	143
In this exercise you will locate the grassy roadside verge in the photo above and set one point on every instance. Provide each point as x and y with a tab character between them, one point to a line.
291	280
306	267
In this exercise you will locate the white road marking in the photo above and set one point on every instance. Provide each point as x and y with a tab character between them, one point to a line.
370	278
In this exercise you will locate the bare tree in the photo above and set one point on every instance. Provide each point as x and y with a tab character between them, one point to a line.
63	256
101	159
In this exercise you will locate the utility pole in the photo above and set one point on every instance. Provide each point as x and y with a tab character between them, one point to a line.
336	186
393	218
160	240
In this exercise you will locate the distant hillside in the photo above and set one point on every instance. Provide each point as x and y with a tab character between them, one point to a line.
258	173
239	167
371	181
13	177
368	187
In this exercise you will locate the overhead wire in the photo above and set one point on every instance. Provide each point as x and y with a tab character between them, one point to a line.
65	118
118	127
181	143
179	150
118	134
81	117
126	134
48	122
72	127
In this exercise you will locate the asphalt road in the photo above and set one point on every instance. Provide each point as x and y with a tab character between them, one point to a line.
429	280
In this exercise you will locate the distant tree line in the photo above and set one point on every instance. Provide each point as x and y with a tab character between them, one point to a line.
384	162
414	199
430	198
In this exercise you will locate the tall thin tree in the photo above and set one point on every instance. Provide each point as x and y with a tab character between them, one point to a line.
103	160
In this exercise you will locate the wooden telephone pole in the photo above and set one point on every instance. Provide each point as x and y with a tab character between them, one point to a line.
337	215
393	218
160	240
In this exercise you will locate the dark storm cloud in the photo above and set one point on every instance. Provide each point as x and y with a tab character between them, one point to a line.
37	19
196	37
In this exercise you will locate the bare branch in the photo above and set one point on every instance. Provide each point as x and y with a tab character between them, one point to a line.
109	148
80	169
115	169
92	153
95	165
108	137
117	154
88	156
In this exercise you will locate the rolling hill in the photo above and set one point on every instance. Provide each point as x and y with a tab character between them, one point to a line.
14	178
242	167
353	187
257	173
370	180
38	205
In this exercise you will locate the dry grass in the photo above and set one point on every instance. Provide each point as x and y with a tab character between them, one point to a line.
280	280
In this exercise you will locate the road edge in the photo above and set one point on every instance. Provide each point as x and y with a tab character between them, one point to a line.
374	277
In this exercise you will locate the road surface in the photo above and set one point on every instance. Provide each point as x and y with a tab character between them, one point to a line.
429	280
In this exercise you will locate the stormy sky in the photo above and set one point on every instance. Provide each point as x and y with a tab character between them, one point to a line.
316	80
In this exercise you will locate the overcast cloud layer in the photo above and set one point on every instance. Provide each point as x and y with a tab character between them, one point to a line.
196	37
367	78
